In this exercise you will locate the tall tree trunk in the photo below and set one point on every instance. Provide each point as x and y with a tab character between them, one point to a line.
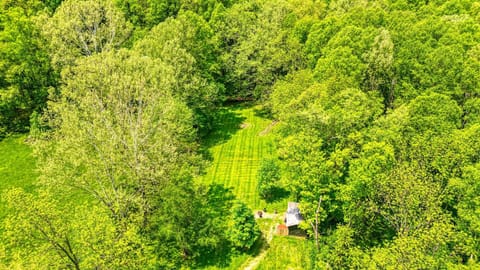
315	226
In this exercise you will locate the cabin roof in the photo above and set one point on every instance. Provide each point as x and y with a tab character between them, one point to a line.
293	216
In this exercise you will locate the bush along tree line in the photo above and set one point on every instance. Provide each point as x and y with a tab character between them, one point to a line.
378	115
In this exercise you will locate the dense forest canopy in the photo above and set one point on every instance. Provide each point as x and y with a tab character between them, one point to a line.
378	110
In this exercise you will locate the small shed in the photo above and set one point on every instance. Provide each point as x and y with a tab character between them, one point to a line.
293	217
282	229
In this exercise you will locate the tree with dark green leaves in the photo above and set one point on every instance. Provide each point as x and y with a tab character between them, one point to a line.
26	74
268	179
243	231
147	14
257	46
377	105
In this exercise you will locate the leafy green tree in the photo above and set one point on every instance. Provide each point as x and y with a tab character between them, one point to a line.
31	7
341	252
268	178
45	232
243	231
176	42
413	36
148	13
83	28
434	113
286	95
120	106
469	83
205	8
119	138
310	176
25	70
341	64
380	67
410	200
375	162
466	195
257	45
211	223
320	128
445	64
425	249
319	35
191	228
52	4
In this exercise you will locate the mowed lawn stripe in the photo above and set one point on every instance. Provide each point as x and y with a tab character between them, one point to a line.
242	178
254	166
231	155
237	157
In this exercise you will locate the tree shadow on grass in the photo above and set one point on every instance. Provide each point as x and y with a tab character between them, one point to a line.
220	200
226	122
277	194
223	257
260	244
263	112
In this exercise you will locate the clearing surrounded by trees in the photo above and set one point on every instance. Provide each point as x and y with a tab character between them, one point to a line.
236	148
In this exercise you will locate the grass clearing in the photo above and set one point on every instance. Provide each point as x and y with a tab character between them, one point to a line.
17	167
287	252
240	139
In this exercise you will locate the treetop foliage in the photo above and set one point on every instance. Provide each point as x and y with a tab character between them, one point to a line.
377	104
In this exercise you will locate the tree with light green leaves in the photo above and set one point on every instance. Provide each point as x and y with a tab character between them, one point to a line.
84	28
121	141
380	68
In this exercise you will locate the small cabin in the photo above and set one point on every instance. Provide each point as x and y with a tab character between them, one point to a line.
293	217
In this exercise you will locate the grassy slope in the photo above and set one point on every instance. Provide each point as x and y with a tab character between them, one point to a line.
236	153
287	252
17	166
236	147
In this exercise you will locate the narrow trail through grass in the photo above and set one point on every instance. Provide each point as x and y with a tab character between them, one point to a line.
240	139
254	262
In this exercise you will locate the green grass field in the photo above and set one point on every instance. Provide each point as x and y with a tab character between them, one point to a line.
240	139
17	166
286	252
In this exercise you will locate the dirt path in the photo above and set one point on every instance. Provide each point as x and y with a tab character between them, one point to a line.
268	128
252	264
